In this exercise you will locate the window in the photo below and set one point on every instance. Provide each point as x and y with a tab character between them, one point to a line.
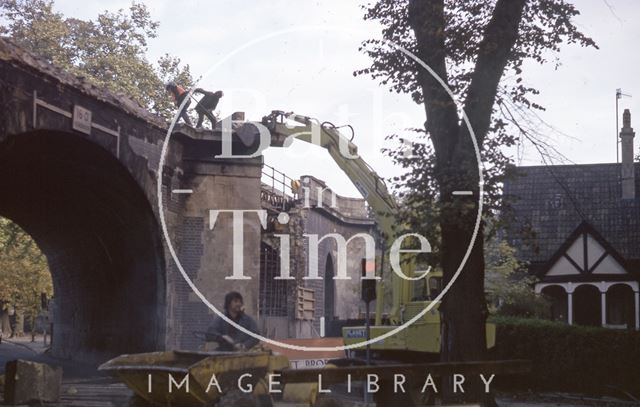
273	293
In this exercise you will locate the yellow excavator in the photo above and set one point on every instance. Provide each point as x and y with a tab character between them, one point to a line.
234	379
409	297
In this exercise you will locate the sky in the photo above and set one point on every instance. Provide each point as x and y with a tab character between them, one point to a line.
300	56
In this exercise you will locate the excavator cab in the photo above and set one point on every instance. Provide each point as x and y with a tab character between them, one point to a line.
427	288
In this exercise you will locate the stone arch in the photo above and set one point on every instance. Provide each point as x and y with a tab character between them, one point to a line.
329	289
97	228
558	298
587	305
620	305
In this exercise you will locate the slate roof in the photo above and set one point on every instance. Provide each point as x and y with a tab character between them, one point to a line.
549	202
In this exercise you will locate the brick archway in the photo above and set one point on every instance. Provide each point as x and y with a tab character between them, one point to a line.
557	296
620	306
101	239
587	305
329	290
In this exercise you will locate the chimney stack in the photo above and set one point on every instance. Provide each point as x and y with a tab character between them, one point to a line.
628	173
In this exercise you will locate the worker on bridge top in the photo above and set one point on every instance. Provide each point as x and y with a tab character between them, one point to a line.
228	336
179	94
207	105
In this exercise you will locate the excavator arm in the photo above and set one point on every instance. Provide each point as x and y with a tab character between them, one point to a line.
285	127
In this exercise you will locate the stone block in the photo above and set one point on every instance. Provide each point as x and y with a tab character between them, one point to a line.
28	382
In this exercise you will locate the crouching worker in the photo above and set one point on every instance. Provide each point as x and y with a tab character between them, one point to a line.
229	337
207	105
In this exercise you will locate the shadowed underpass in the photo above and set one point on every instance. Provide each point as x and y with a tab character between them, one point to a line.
100	237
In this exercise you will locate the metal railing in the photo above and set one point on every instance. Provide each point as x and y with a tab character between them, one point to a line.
276	188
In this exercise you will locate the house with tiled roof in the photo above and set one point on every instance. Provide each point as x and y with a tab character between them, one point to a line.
578	229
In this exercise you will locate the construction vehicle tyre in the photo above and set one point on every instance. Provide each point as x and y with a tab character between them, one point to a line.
236	398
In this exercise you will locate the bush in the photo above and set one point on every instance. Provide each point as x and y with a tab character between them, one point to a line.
570	358
519	300
508	285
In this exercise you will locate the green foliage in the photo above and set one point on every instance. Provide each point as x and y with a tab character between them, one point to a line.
109	51
571	357
477	48
508	286
24	273
543	27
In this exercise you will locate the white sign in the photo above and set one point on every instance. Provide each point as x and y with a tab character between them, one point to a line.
308	363
81	119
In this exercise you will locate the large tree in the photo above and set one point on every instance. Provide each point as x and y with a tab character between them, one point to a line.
109	51
479	49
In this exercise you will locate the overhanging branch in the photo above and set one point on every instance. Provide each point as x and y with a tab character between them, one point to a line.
494	51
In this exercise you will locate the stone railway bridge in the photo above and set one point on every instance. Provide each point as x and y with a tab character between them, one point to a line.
79	172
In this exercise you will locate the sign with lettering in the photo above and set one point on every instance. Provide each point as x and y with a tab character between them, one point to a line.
308	363
81	119
356	333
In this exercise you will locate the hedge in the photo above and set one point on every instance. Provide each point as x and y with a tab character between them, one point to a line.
570	358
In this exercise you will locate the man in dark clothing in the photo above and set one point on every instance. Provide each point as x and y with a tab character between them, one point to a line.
207	105
179	94
233	339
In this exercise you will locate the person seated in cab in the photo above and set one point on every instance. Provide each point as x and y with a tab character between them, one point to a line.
228	336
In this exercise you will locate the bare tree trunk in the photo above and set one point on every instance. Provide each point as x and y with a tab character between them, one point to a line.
19	331
464	309
32	319
5	324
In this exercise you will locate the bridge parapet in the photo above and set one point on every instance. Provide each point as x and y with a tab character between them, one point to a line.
81	165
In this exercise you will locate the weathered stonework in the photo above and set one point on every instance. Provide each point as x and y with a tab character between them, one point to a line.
88	196
31	382
334	299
